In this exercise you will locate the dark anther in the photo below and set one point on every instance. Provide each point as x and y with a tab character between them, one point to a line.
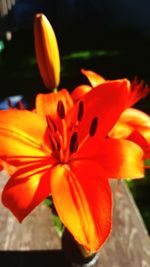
51	124
74	143
93	126
80	110
61	109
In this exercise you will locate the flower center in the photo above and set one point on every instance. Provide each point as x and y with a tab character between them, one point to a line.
55	138
64	143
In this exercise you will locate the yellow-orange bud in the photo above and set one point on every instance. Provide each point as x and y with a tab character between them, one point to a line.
47	52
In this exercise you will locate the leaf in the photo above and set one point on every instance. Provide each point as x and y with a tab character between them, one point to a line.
58	224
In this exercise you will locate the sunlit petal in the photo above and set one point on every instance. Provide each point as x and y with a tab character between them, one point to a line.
47	103
140	140
80	91
118	158
22	134
132	120
105	102
26	189
94	78
82	197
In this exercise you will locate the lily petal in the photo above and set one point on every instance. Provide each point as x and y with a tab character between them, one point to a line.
22	135
26	189
105	102
94	78
122	159
80	91
119	158
140	140
138	90
132	120
82	198
47	103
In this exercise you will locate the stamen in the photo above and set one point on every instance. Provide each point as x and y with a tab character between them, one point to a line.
64	134
58	138
61	109
74	142
51	124
58	145
53	143
93	127
80	110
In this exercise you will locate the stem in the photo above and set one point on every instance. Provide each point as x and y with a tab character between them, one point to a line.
75	254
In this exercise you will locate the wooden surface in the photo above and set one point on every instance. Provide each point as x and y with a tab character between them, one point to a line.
35	242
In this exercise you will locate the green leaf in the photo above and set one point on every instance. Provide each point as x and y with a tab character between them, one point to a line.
48	201
56	220
58	224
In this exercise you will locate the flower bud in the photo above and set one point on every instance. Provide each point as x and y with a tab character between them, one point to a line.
47	52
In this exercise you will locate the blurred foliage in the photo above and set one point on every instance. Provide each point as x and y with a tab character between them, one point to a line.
1	46
86	55
56	220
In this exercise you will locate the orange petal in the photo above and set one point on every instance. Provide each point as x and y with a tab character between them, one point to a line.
22	135
105	102
122	159
80	91
132	120
94	78
119	158
82	198
10	169
47	103
139	139
138	90
47	52
26	189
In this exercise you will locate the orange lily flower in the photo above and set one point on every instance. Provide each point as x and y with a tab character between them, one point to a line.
133	124
69	156
47	52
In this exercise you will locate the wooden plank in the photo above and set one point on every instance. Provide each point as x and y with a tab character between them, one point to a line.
129	243
36	232
35	239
